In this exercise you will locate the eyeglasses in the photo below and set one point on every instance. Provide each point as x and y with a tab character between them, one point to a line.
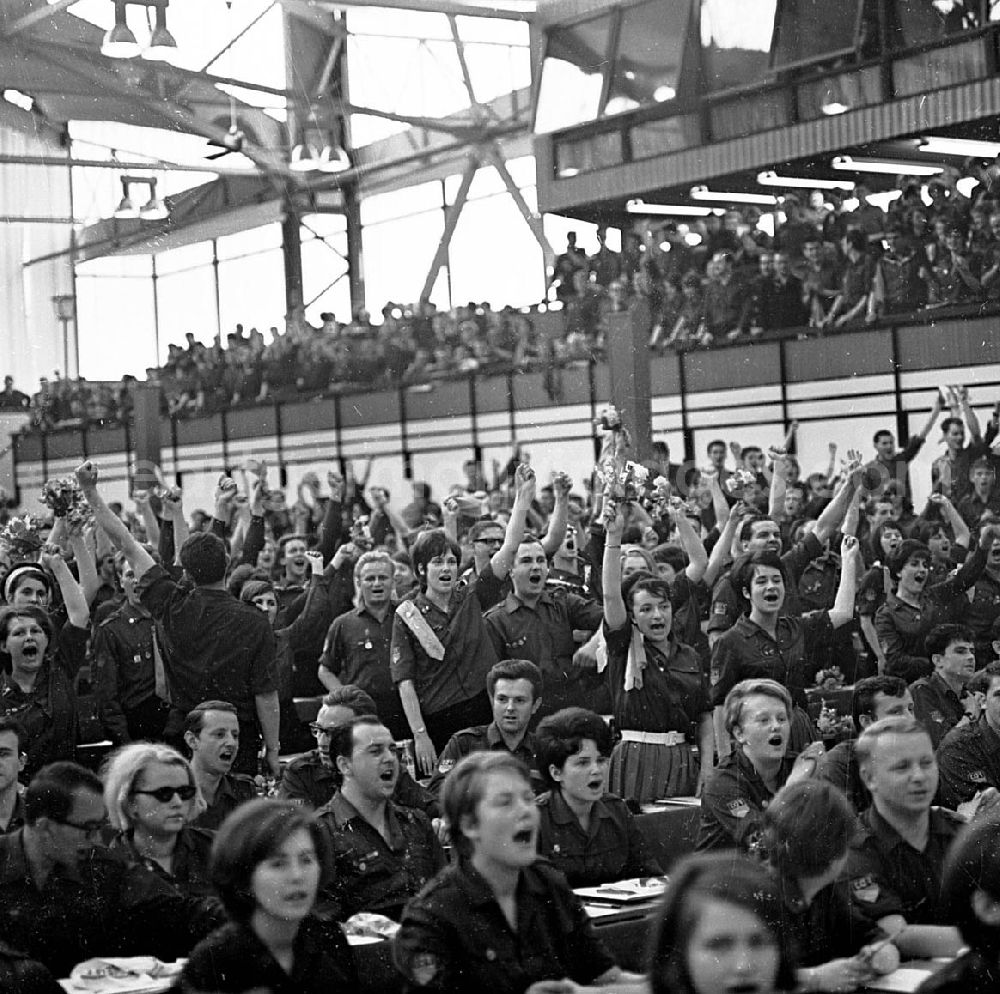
320	730
88	828
165	794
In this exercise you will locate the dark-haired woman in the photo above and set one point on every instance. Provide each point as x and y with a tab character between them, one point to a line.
658	690
588	834
267	862
39	667
715	932
807	830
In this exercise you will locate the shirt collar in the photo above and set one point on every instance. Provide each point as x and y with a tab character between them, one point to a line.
513	602
343	812
478	891
562	813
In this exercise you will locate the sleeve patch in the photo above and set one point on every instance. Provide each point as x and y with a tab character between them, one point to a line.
424	967
738	808
720	609
865	889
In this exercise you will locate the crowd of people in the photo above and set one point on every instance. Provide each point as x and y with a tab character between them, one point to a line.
506	677
825	259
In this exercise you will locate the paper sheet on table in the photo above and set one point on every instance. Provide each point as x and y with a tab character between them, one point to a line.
624	891
684	802
906	979
122	975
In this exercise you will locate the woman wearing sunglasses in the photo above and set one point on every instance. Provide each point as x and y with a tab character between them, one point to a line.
151	795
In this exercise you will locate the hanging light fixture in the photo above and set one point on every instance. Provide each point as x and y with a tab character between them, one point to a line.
304	159
126	209
120	42
154	209
162	44
334	159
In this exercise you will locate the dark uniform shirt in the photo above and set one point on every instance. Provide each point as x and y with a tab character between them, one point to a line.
308	780
817	589
902	628
936	706
972	508
123	671
612	848
234	789
48	711
887	876
839	766
219	648
544	634
673	695
881	471
370	872
981	612
827	928
732	804
728	602
968	762
357	652
469	654
483	738
455	938
189	871
747	652
108	907
16	816
233	960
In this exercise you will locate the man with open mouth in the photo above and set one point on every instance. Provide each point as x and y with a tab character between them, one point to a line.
383	853
907	616
212	735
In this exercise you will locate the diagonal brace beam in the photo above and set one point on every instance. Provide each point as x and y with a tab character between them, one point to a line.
450	223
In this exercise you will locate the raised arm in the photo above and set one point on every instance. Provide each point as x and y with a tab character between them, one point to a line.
931	418
850	561
77	609
779	482
690	543
834	512
86	564
971	421
149	519
173	509
503	558
121	538
556	531
958	526
615	614
722	550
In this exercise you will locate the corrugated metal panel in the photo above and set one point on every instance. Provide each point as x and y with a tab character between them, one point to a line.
968	102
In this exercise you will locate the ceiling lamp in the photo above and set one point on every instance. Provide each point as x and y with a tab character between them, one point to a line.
890	167
334	159
834	102
667	210
703	193
126	209
663	93
153	210
120	42
304	159
771	178
162	45
966	147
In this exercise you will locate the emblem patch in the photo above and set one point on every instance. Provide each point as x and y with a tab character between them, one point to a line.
738	808
865	889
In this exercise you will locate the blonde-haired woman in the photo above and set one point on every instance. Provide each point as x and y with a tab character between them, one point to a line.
151	796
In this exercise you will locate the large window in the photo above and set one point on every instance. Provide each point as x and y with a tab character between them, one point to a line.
647	67
572	81
815	30
735	41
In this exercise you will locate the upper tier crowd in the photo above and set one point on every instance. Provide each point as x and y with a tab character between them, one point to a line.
512	673
832	262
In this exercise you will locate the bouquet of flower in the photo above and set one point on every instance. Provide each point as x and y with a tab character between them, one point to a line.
20	537
623	481
739	481
609	420
659	497
830	679
65	499
832	724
